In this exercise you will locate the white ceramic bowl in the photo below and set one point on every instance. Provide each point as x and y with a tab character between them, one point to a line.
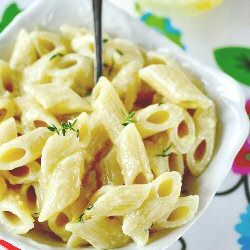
228	96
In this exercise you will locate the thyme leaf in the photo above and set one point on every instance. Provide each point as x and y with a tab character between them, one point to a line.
65	127
119	52
56	55
90	207
81	219
130	118
165	152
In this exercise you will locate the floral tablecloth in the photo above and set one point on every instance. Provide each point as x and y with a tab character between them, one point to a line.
220	38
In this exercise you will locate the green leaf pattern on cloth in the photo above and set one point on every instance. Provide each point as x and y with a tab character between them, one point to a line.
164	26
235	61
9	14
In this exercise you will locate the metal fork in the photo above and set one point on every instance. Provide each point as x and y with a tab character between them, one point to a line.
97	9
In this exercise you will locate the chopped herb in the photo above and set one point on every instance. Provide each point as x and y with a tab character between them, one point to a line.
119	52
90	207
123	112
81	219
129	119
105	40
53	128
56	55
165	152
35	213
65	126
160	103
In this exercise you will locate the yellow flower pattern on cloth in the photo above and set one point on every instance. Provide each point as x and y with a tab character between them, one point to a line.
164	7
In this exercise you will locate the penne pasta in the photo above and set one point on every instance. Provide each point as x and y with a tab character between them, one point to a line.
9	80
202	150
37	72
83	44
101	232
7	108
82	124
85	164
182	212
182	135
33	115
119	52
23	43
109	108
109	170
158	165
157	118
99	138
45	42
128	199
132	156
127	83
165	192
3	188
58	195
23	149
75	241
57	224
173	84
28	193
74	71
58	99
25	174
14	214
8	130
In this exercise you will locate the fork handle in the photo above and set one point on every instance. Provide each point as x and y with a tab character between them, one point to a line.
97	9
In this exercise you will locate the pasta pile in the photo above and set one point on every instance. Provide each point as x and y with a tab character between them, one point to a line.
100	165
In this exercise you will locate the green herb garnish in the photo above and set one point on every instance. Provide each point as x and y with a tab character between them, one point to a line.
119	52
81	219
130	118
90	207
105	40
165	152
65	126
160	103
56	55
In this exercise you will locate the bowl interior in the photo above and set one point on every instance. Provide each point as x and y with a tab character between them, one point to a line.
222	89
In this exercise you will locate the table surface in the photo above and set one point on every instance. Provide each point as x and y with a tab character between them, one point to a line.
226	223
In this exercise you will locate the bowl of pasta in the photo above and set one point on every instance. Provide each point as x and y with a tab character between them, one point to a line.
131	161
